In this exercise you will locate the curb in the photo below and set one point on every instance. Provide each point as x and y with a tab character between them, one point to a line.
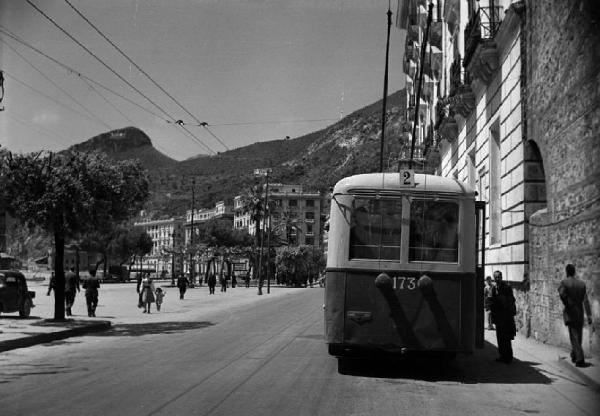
593	384
53	336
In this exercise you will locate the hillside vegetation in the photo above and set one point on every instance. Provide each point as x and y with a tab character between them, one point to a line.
316	160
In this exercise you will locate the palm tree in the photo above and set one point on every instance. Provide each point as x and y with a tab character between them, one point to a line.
254	204
288	226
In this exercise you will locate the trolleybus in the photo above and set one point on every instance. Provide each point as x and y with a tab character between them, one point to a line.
404	265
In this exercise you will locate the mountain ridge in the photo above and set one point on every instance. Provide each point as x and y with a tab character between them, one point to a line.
316	160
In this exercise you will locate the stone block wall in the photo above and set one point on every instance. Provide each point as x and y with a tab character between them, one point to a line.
563	105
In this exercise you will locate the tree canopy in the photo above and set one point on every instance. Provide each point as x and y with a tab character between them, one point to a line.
70	193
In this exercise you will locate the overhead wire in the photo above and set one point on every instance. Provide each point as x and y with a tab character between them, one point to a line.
51	134
86	79
77	73
107	101
198	140
43	94
145	73
47	78
257	123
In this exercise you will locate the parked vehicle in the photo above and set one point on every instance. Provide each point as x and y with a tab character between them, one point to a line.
14	294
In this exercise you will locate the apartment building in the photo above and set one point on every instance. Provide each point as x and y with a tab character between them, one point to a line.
508	105
296	215
168	237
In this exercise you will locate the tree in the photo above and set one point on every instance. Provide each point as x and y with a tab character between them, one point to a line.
254	204
70	193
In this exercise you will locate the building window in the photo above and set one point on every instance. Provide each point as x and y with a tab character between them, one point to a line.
293	203
309	228
495	185
310	203
309	215
309	241
472	170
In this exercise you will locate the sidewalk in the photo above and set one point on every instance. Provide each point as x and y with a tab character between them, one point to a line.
118	306
528	349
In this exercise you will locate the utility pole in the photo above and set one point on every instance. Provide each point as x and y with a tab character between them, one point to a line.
192	236
265	173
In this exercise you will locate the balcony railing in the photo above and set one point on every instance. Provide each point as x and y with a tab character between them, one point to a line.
482	25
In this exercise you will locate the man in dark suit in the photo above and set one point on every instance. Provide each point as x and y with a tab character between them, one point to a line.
573	295
503	309
71	288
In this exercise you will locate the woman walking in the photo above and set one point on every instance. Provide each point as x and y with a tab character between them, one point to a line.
147	293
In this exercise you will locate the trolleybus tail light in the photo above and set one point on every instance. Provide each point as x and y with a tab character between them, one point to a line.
383	281
425	284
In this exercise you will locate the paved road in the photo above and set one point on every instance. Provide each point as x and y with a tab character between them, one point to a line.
264	356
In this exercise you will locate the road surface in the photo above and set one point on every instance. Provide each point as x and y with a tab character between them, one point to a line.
262	357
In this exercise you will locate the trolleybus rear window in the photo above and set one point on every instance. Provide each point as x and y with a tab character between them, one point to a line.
375	229
433	231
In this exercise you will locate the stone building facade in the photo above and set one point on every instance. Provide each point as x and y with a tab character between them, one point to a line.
563	104
514	112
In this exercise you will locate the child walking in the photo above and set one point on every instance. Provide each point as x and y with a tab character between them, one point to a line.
159	298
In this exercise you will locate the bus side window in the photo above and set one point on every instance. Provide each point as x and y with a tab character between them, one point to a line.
433	231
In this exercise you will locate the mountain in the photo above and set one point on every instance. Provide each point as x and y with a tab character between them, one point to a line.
127	143
316	160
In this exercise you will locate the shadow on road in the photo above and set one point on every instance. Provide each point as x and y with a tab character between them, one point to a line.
480	367
18	318
133	330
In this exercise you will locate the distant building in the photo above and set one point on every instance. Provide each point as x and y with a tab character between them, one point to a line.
168	237
297	216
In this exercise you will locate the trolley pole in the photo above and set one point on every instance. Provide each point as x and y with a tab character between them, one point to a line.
385	89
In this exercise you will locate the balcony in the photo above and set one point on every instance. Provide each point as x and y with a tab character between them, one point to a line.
462	98
447	128
481	52
435	34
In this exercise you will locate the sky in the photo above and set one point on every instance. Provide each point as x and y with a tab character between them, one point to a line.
253	70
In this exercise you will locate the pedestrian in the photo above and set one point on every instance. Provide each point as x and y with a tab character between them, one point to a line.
182	284
233	279
91	286
51	284
138	286
211	280
487	302
223	281
71	289
147	293
572	292
503	309
247	279
160	295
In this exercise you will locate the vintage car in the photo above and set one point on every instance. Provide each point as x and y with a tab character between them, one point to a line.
14	295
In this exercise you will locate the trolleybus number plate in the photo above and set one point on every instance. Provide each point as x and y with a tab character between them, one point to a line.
407	177
405	283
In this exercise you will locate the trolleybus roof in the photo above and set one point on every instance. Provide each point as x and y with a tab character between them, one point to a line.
390	181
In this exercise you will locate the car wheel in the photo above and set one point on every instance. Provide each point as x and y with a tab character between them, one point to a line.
25	309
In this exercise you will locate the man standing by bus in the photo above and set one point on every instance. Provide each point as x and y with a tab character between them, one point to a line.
503	308
572	292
